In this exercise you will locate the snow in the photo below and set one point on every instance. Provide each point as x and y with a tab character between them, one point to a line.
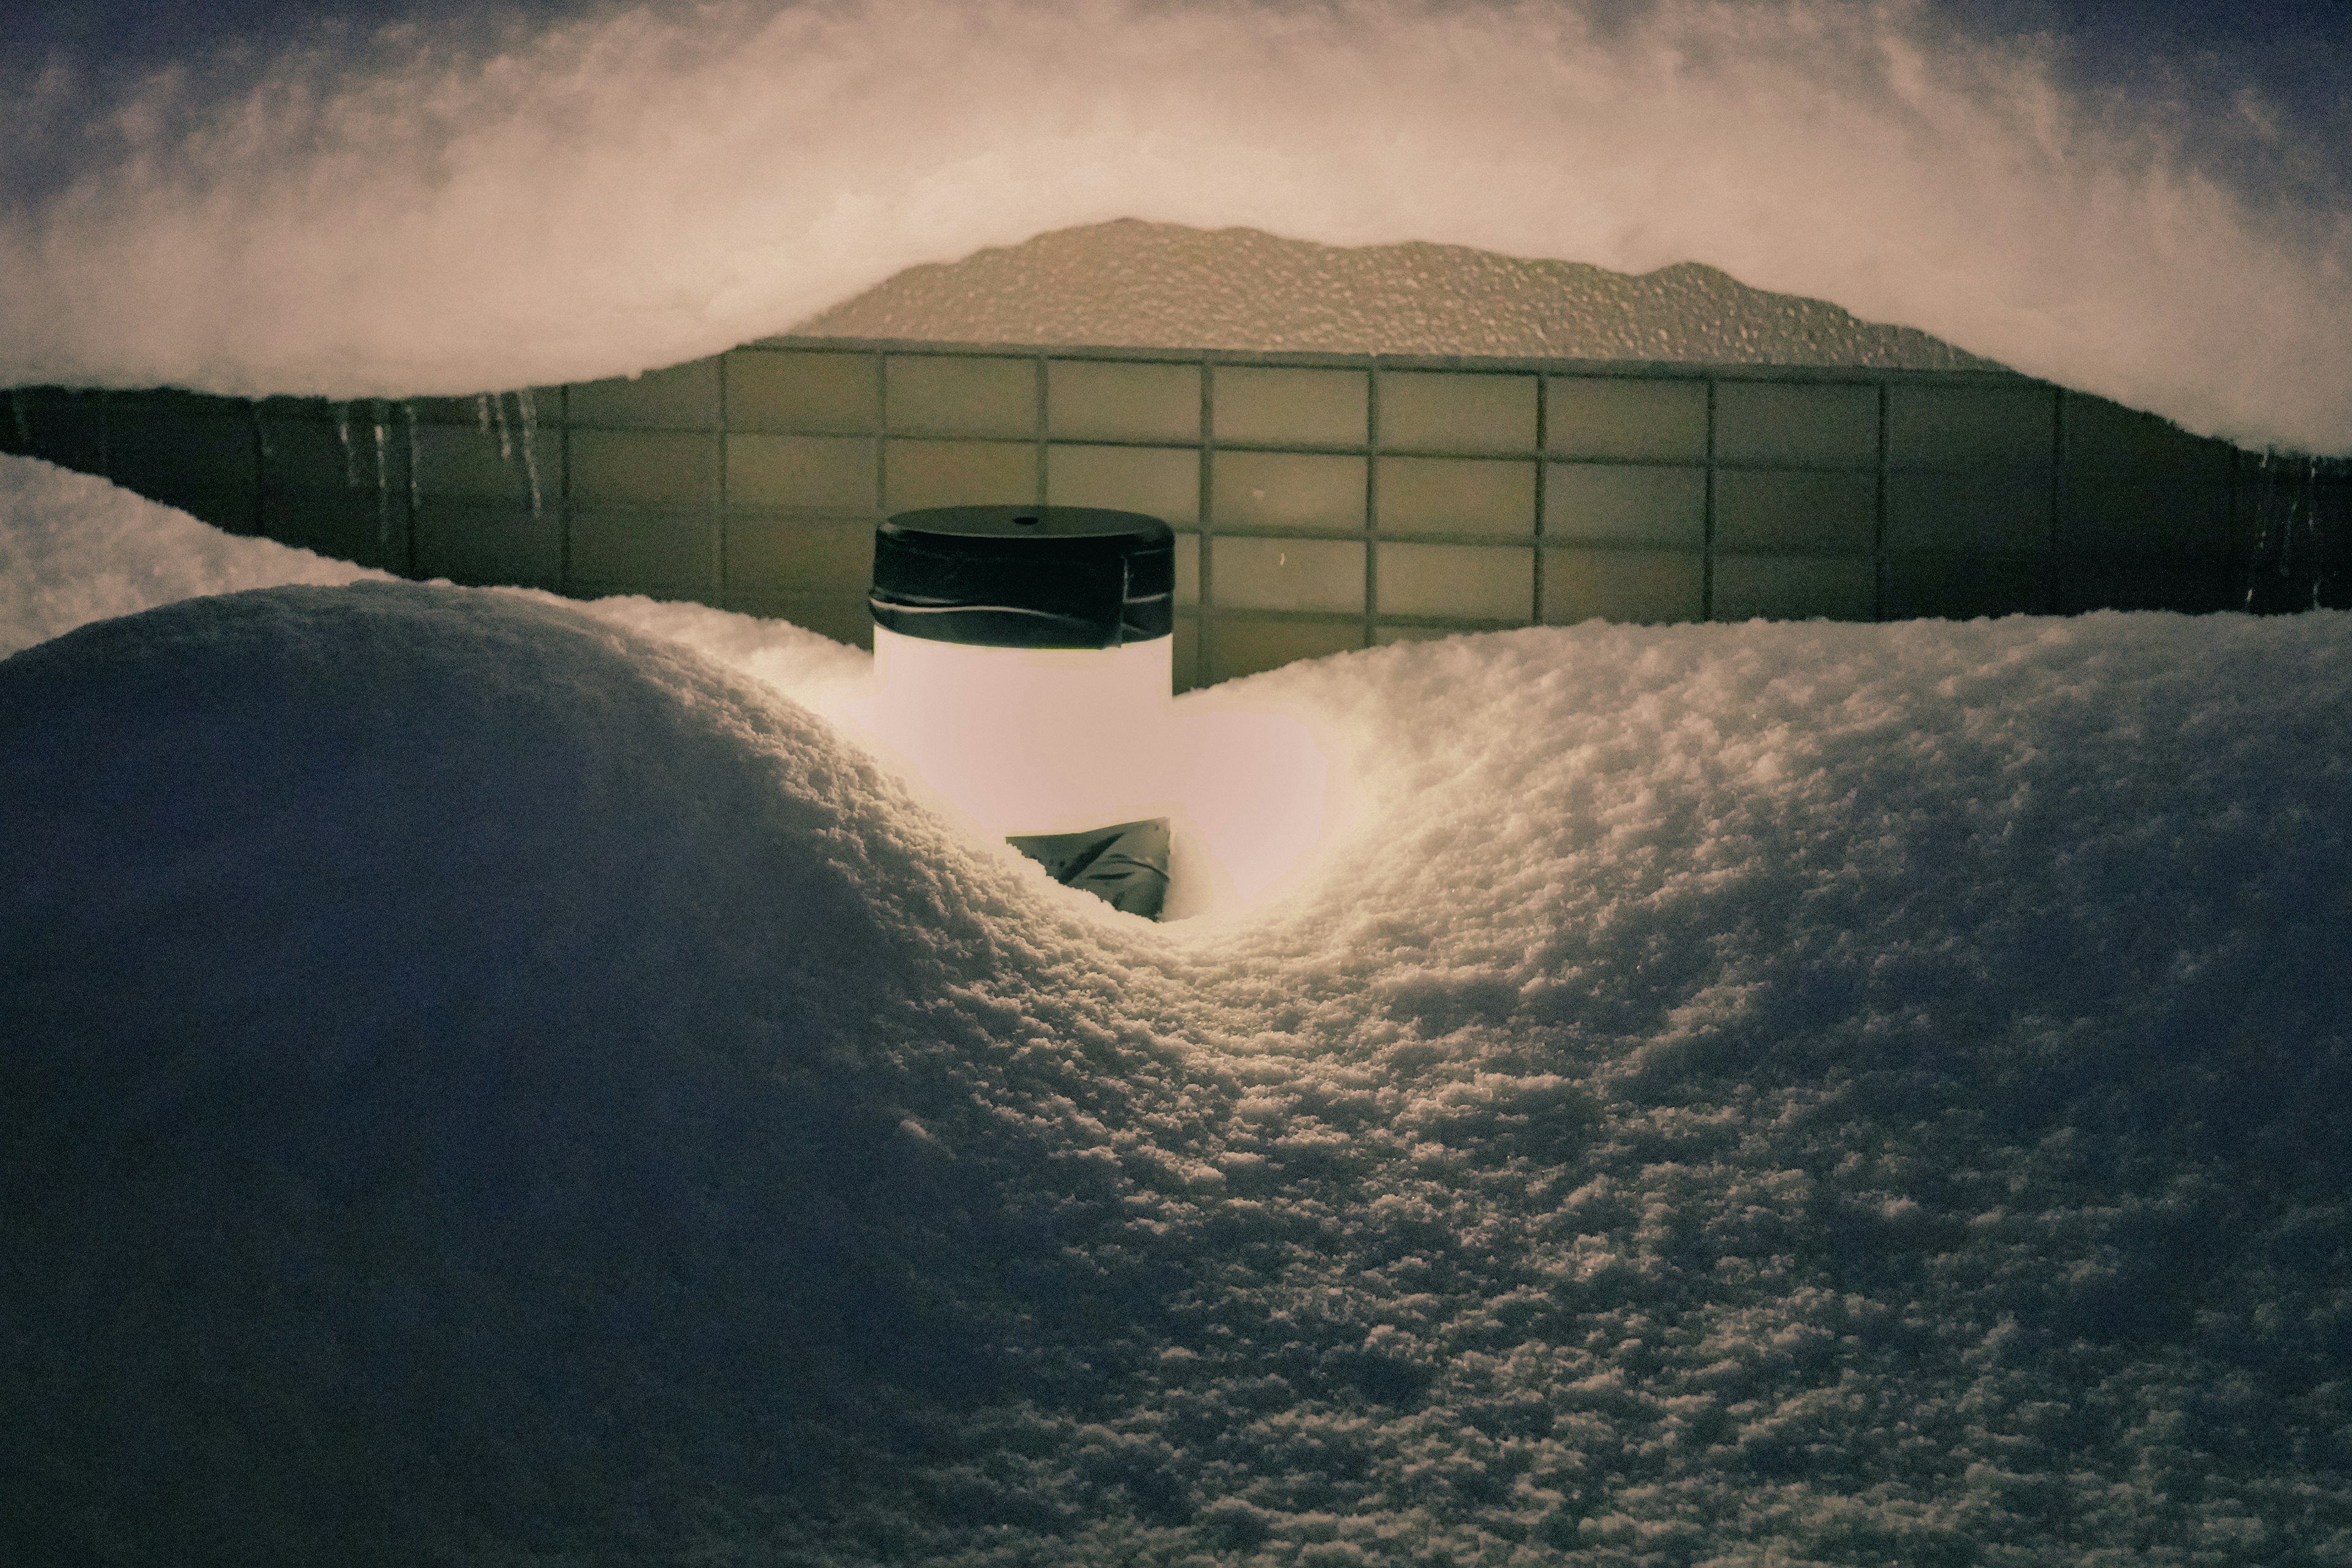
1165	286
502	1081
463	206
74	548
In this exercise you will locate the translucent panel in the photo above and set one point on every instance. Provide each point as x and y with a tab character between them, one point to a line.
1280	490
2154	513
1159	481
2101	435
357	525
1620	417
168	458
958	473
2112	585
1625	504
1240	646
1188	570
1932	427
1457	495
1473	581
1764	511
1312	407
1186	656
2000	511
670	555
1795	588
641	468
829	472
776	555
68	428
1448	411
1105	401
310	455
949	394
1824	426
1286	574
488	545
462	462
683	397
844	618
821	394
1624	585
1962	587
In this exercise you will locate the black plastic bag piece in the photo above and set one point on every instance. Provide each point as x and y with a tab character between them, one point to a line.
1125	865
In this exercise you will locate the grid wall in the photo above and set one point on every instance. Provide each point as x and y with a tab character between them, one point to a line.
1321	502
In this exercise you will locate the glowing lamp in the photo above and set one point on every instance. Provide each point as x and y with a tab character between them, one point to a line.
1022	671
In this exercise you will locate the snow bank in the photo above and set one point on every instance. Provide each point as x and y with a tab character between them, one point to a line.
447	208
489	1082
74	549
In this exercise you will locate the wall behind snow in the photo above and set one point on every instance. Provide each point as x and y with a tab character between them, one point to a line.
1322	502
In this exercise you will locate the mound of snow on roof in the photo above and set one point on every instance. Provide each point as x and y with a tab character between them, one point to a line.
1161	285
485	1083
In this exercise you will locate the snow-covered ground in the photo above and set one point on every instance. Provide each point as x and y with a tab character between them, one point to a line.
492	1081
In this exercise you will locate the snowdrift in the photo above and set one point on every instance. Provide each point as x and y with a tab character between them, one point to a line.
485	1082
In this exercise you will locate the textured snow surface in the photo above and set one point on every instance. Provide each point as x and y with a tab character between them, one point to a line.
451	207
485	1084
1165	286
74	548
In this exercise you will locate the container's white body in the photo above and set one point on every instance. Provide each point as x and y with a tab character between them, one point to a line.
1026	740
1022	741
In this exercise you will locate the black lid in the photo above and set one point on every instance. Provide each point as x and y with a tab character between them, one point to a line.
1026	576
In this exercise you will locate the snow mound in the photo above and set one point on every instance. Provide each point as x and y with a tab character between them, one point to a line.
487	1085
74	548
1160	285
550	1020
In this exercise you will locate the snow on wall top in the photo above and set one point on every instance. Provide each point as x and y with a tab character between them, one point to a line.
1135	284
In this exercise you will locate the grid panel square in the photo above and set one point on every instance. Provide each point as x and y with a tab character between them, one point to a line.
1795	588
827	472
1159	481
1102	400
1468	581
488	545
816	394
1627	418
1624	503
462	462
1769	512
1287	574
958	473
1244	645
657	470
1961	587
1631	587
1310	407
956	394
2000	511
1286	490
1826	424
772	556
1453	411
1457	495
1970	427
666	556
683	397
